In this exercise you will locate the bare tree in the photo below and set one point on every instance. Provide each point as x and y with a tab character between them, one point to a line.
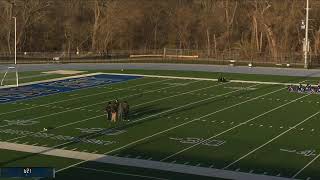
6	7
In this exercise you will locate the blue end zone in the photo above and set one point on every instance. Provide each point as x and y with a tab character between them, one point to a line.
67	85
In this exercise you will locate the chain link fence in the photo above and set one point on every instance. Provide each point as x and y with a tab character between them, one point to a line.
232	57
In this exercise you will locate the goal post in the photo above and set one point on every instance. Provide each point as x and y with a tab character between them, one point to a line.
9	76
171	53
9	72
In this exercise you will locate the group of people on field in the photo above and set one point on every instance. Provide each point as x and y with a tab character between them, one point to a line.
117	110
304	89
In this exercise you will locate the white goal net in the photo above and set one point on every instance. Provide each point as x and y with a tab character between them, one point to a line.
8	75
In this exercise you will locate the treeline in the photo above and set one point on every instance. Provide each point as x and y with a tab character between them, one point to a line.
250	27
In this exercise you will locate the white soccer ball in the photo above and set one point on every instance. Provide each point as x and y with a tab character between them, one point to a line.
121	69
45	129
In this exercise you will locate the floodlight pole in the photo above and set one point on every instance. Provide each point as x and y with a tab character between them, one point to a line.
306	39
15	50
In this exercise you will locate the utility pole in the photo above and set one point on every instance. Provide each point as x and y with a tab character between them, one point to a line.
306	39
15	50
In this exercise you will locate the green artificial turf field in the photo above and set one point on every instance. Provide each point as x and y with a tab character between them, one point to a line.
242	127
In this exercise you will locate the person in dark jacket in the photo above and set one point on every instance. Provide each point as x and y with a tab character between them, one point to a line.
125	107
108	110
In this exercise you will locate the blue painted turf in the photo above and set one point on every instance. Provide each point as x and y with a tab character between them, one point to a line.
49	88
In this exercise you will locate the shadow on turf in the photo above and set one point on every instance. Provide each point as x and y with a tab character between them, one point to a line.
146	111
149	110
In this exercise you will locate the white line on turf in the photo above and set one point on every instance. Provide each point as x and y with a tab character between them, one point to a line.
120	173
89	95
209	79
271	140
55	79
133	106
175	127
306	166
188	122
79	108
172	127
234	127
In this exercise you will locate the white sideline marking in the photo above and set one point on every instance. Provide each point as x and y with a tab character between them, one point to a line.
194	120
120	173
133	106
206	79
55	79
271	140
179	168
252	119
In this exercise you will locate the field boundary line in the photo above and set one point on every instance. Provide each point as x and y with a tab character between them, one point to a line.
271	140
55	102
119	173
205	79
234	127
101	158
55	79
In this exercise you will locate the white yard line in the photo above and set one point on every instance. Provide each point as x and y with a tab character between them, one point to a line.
273	139
138	119
85	96
120	173
81	107
234	127
206	79
161	132
184	123
87	119
307	165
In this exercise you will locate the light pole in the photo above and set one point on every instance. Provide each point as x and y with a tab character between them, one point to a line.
15	50
306	39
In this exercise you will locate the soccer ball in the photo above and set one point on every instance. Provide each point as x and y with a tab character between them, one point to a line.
121	69
45	129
